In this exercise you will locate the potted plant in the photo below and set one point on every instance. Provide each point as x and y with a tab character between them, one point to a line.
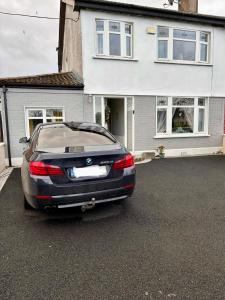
161	152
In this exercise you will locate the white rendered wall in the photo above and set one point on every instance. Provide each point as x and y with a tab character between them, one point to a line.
145	76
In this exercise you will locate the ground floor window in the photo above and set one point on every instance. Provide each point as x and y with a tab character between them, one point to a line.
181	116
35	116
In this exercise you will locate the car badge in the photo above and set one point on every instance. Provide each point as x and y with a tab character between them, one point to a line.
89	161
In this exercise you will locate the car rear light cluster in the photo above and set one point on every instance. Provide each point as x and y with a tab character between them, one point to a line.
39	168
126	162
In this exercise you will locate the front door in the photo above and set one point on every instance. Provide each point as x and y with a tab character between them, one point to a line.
116	114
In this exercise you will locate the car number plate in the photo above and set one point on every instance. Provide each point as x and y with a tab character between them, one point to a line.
92	171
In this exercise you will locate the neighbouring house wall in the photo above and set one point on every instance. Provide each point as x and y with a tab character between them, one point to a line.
19	99
144	75
72	49
2	156
145	127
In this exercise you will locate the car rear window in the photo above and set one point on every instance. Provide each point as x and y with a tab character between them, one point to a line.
65	136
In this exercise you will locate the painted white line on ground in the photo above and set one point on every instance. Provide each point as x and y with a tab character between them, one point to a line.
4	175
143	162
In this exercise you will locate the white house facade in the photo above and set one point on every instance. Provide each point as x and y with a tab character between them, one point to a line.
153	76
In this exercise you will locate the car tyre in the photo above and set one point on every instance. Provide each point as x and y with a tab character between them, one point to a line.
27	206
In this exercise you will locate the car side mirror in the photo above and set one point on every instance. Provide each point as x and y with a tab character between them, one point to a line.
24	140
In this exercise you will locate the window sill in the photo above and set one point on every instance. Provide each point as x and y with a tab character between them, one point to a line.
115	58
182	63
181	136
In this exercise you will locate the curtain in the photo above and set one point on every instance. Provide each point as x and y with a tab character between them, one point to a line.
161	121
189	116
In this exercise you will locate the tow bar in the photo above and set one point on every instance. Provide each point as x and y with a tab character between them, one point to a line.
88	206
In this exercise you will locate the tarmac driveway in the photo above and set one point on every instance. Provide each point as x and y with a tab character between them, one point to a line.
168	242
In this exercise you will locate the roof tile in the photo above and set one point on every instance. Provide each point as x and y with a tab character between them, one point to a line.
63	80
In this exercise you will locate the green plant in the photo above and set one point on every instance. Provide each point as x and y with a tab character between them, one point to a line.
161	150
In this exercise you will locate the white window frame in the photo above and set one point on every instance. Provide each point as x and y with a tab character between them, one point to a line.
106	33
171	39
169	113
45	118
207	44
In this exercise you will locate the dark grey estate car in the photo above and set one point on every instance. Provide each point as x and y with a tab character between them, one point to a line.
75	164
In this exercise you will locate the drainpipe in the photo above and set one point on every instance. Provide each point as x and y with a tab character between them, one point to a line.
7	125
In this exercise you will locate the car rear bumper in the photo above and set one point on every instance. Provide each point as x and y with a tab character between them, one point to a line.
74	200
42	192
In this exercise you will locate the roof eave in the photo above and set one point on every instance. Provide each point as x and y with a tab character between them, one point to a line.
124	8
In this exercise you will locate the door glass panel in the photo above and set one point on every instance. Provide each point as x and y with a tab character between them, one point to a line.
130	124
98	110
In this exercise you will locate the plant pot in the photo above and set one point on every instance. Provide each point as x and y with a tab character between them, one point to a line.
162	155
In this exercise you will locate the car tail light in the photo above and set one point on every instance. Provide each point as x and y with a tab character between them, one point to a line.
126	162
41	169
41	197
129	186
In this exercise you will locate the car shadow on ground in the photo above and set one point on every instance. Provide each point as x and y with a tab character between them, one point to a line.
75	215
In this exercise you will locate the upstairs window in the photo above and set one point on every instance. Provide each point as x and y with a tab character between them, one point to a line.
180	45
114	38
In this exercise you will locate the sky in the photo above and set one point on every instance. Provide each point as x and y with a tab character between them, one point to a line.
28	46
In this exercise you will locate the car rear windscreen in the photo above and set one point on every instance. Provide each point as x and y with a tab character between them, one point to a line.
65	137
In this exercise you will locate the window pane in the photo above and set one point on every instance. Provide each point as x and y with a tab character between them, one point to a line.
100	25
161	120
114	44
128	46
204	37
54	112
184	34
128	29
100	43
162	49
35	113
33	123
98	110
162	101
201	101
163	31
183	120
183	50
54	120
61	136
201	120
183	101
114	26
204	52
